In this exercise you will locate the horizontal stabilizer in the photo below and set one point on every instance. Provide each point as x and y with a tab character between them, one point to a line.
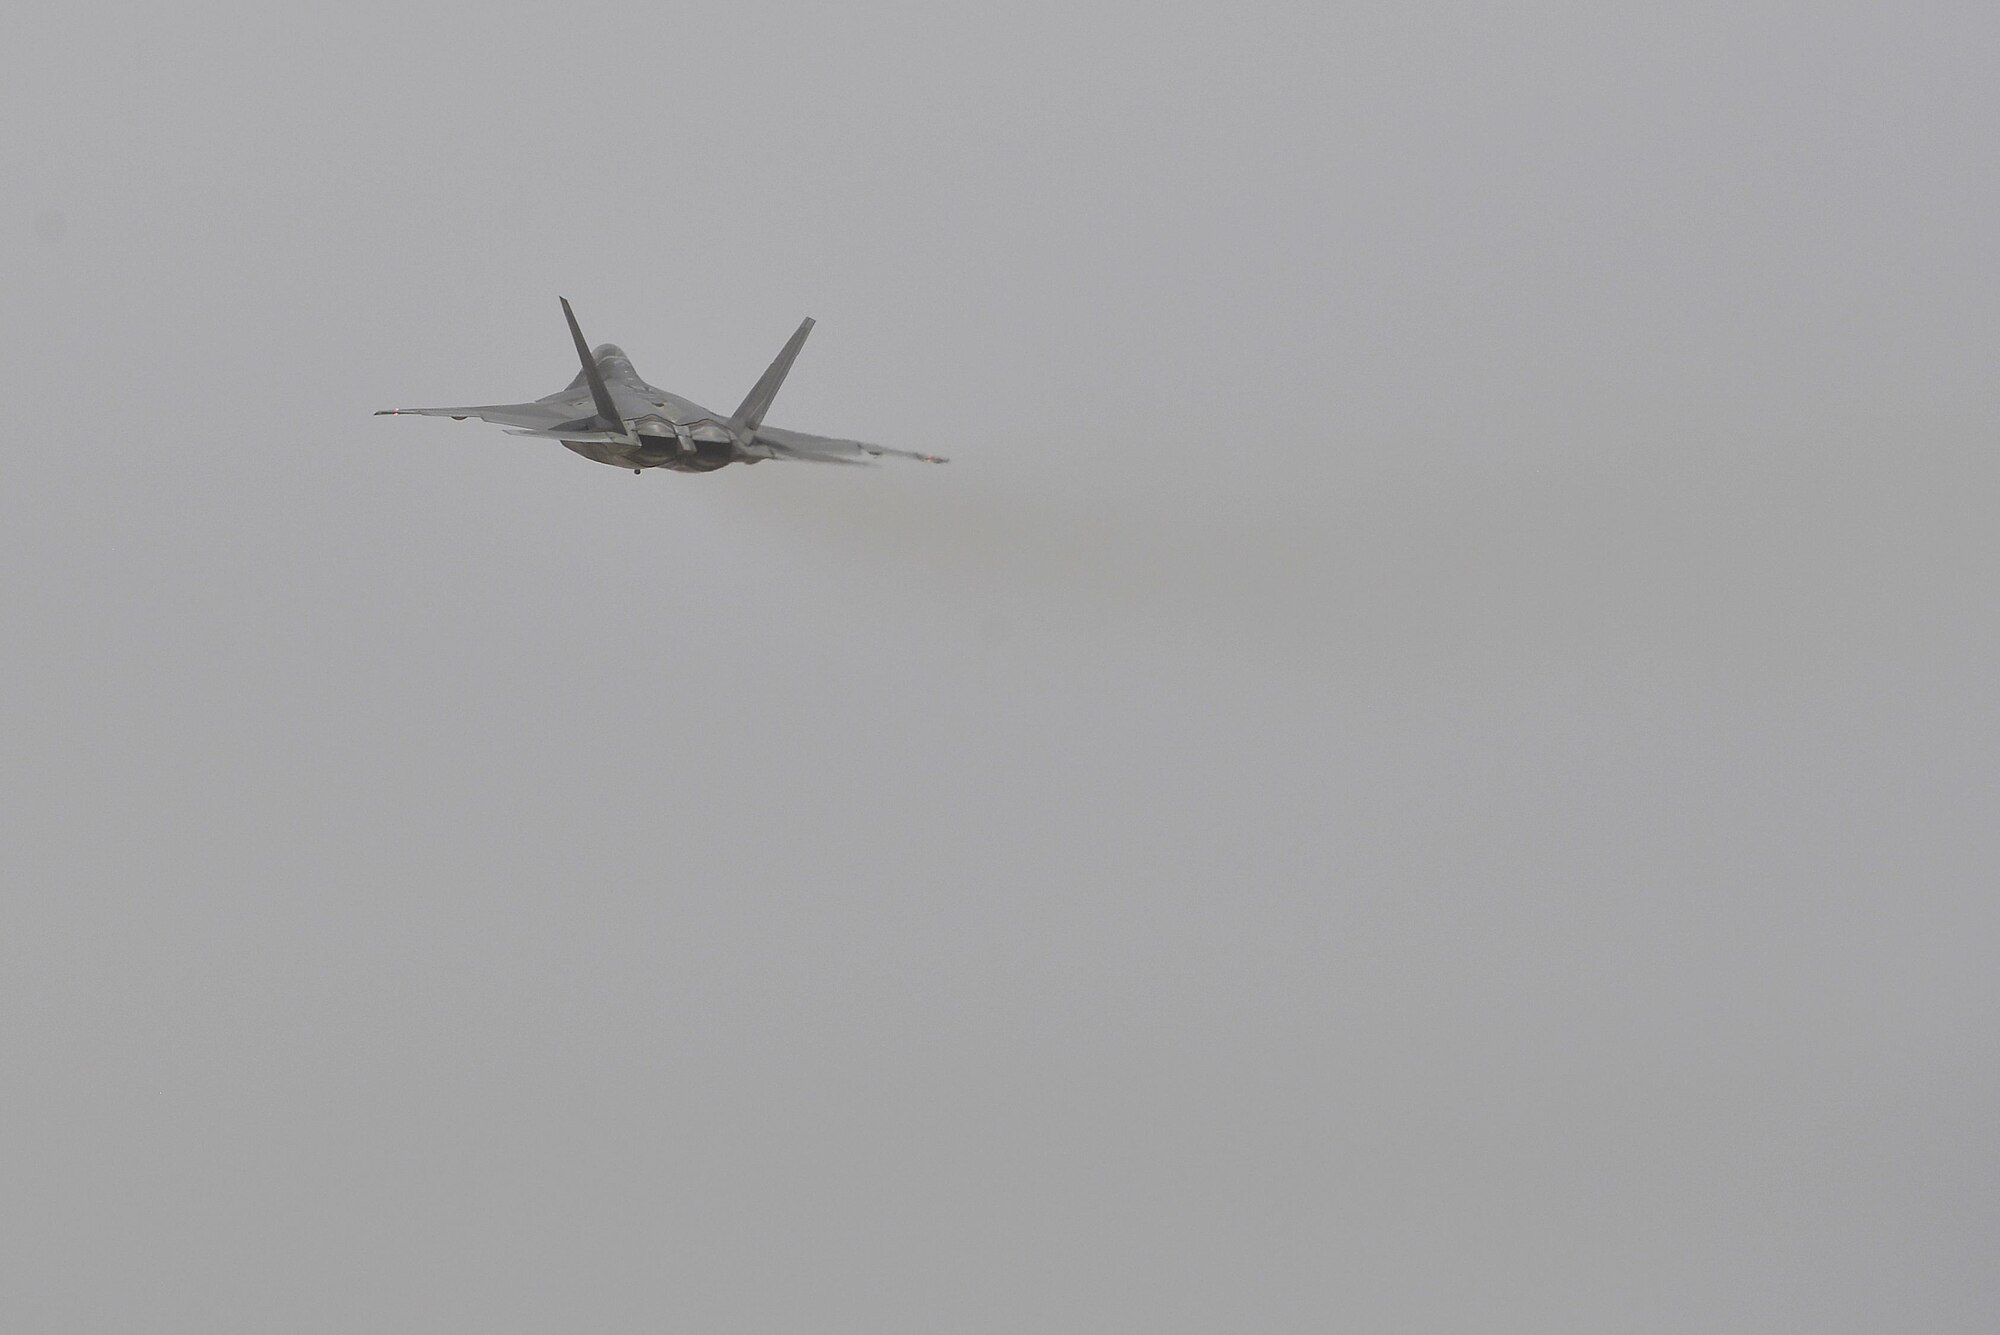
595	437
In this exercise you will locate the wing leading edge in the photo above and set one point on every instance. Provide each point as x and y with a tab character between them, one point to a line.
800	445
537	415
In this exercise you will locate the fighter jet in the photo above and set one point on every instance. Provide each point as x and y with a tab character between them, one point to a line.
612	416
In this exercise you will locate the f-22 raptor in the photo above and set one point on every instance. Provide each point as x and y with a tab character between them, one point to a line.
612	416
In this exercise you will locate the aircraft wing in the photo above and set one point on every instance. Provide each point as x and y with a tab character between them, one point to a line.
536	416
829	449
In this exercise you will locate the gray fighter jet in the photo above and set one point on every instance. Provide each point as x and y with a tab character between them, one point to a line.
609	414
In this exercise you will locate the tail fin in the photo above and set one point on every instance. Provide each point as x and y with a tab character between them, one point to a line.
598	393
751	414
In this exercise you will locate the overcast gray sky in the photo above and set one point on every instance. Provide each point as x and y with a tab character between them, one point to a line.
1428	766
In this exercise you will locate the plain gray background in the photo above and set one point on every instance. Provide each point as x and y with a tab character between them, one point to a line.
1428	766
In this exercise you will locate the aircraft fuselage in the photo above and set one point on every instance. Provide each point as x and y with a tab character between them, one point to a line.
609	415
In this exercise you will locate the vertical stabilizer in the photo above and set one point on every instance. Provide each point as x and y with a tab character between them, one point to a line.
606	409
751	414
